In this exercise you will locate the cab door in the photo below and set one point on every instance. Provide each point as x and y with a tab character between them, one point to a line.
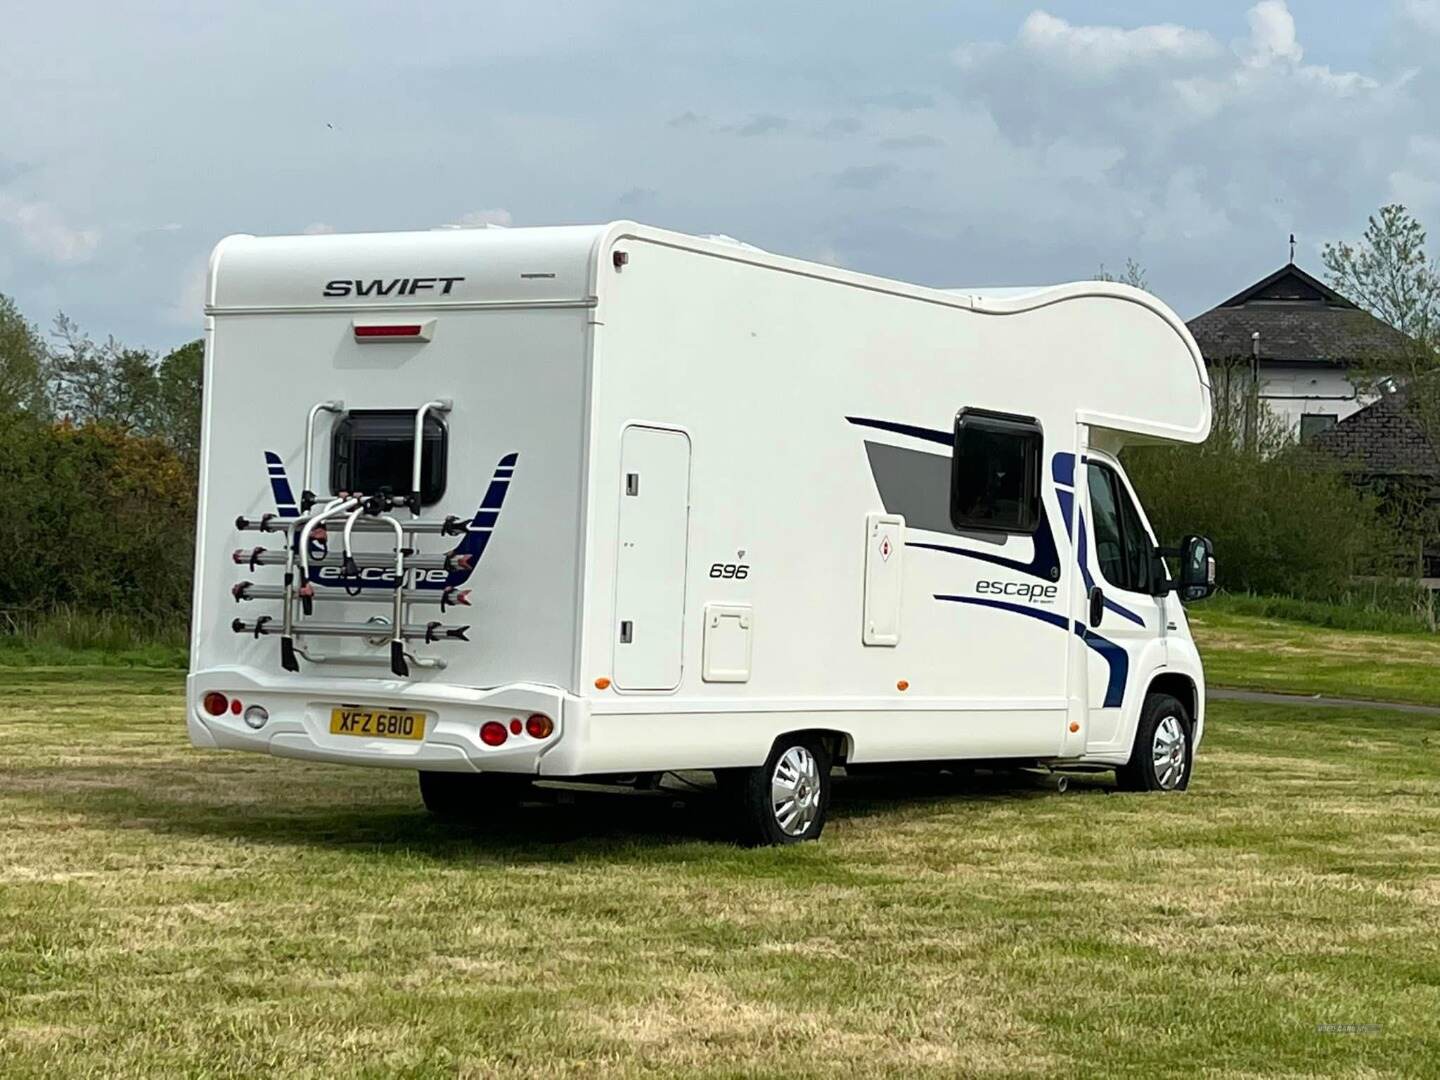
1125	624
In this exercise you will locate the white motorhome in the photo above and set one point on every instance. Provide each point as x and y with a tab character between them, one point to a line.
507	506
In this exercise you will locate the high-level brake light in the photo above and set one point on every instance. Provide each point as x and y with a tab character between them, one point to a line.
422	330
398	330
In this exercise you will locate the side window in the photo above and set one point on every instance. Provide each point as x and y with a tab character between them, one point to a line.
375	448
995	475
1122	547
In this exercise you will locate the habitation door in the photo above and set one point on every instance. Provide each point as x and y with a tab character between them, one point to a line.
1130	618
651	558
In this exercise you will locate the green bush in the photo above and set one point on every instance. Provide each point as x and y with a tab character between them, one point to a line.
96	518
1283	521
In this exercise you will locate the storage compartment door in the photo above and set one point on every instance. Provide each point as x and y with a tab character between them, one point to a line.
884	557
650	561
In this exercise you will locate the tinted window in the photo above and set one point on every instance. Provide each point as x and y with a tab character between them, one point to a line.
1122	547
995	476
1312	424
374	449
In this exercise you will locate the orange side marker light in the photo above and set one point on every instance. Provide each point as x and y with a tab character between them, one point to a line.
902	685
602	683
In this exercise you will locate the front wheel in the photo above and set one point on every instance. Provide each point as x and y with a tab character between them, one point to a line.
1161	757
784	801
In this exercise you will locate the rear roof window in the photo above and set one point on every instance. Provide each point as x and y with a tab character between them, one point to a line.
373	450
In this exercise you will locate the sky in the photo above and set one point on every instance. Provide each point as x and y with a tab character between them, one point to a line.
989	142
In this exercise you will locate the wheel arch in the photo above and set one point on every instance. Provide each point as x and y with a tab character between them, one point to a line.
1181	687
840	743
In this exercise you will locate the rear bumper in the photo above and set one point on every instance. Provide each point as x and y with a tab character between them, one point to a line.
299	720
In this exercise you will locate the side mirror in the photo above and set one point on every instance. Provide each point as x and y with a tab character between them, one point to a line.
1197	568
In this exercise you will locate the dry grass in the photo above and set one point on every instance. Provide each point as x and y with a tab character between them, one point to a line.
169	912
1272	654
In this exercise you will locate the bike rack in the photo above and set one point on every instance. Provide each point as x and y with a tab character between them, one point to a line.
307	542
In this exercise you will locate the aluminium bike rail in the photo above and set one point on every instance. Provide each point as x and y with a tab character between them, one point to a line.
307	494
262	556
307	542
274	523
429	632
444	598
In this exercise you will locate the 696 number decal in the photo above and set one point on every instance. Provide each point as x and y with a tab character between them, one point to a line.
737	571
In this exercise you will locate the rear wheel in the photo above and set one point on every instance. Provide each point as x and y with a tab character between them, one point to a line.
786	800
1161	757
465	797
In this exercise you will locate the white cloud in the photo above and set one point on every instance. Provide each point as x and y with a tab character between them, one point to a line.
479	219
45	231
1424	14
1103	50
1171	144
1416	183
188	306
1272	34
1154	100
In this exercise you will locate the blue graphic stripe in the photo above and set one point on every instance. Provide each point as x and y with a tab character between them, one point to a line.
1113	655
486	518
1116	657
944	438
1005	605
1062	468
280	486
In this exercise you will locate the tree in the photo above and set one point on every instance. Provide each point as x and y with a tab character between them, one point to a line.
109	383
1391	275
22	362
177	411
1133	274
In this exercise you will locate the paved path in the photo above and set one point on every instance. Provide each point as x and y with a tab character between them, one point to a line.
1217	693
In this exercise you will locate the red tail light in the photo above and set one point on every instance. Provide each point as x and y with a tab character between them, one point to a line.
215	703
493	733
236	707
539	726
515	726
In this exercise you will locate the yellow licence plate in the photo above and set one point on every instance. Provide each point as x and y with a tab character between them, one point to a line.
377	723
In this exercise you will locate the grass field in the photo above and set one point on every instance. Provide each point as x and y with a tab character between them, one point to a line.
1260	653
170	912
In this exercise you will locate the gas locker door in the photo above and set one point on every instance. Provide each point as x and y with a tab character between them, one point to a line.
651	556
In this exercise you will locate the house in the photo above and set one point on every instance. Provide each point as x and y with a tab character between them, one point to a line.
1383	449
1298	339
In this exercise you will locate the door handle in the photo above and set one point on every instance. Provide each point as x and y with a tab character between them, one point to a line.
1097	605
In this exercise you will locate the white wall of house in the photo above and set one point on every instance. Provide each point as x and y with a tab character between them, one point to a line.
1293	391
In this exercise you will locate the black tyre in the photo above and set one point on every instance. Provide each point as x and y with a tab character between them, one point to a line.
466	797
786	800
1161	757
